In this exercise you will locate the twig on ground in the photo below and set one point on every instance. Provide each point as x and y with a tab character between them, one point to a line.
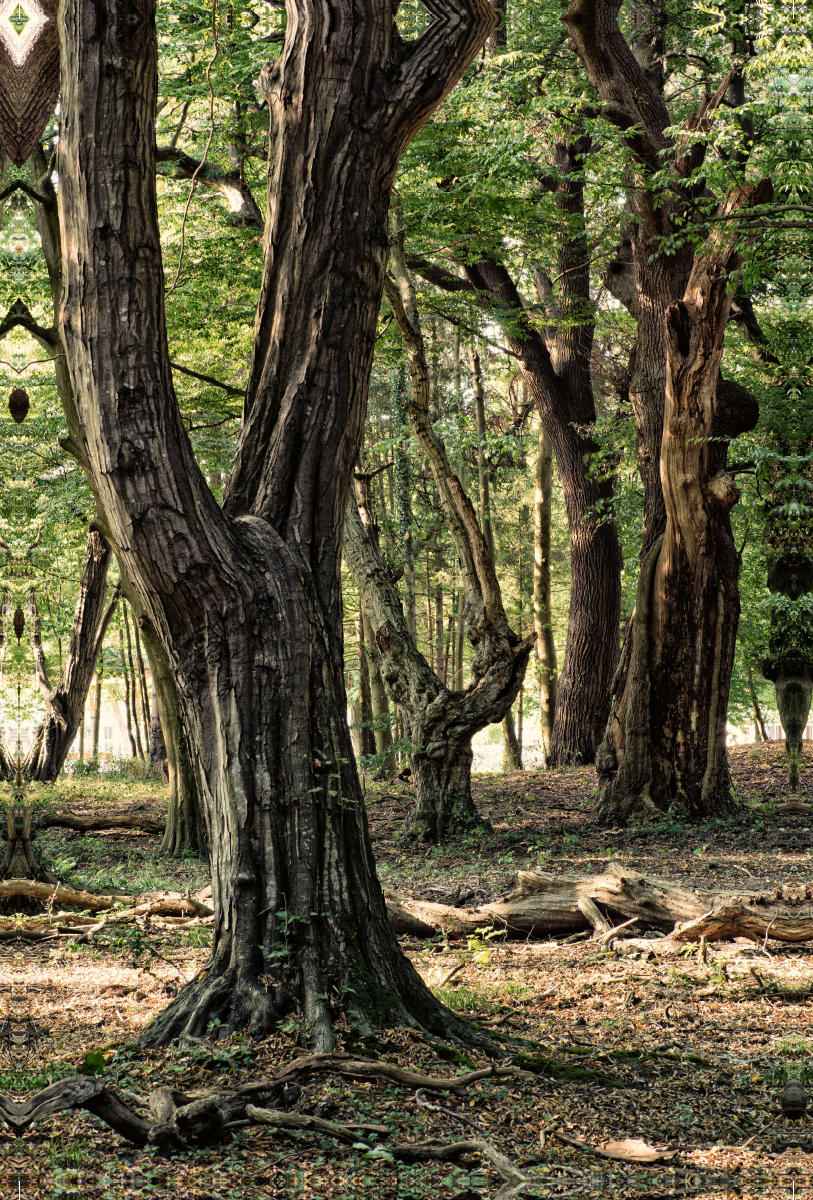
454	971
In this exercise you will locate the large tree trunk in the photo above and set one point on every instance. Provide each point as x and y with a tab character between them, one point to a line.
665	740
246	599
651	283
65	704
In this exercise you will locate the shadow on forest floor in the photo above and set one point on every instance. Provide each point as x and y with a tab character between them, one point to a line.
687	1054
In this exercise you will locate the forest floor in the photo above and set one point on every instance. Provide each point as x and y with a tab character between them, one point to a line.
687	1054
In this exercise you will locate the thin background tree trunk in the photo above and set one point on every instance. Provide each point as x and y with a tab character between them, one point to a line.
543	617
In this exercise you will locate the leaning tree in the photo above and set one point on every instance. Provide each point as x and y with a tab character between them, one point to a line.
246	598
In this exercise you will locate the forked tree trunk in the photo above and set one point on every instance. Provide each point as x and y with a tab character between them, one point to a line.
246	598
441	722
65	704
665	741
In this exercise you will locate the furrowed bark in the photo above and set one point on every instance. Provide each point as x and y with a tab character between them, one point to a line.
65	704
246	598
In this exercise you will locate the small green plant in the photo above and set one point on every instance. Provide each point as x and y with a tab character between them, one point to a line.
478	944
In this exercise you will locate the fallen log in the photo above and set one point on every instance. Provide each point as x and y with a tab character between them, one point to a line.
143	905
100	822
544	905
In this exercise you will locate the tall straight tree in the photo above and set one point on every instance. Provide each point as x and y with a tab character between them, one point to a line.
246	598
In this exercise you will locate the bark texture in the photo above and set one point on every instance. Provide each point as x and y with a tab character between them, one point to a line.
246	599
65	703
665	740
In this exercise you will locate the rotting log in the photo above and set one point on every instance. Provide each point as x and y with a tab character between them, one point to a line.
544	905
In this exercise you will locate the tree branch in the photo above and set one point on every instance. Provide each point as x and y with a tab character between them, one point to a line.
228	184
226	387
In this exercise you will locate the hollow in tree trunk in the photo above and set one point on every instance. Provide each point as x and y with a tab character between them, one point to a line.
246	598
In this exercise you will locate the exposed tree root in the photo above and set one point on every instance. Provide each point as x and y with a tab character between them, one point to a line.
178	1120
559	906
343	1064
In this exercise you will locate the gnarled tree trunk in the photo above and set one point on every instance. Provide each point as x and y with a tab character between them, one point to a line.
65	704
442	722
665	741
246	598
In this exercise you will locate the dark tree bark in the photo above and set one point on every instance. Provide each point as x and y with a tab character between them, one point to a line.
65	704
651	284
442	722
511	751
665	741
246	598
